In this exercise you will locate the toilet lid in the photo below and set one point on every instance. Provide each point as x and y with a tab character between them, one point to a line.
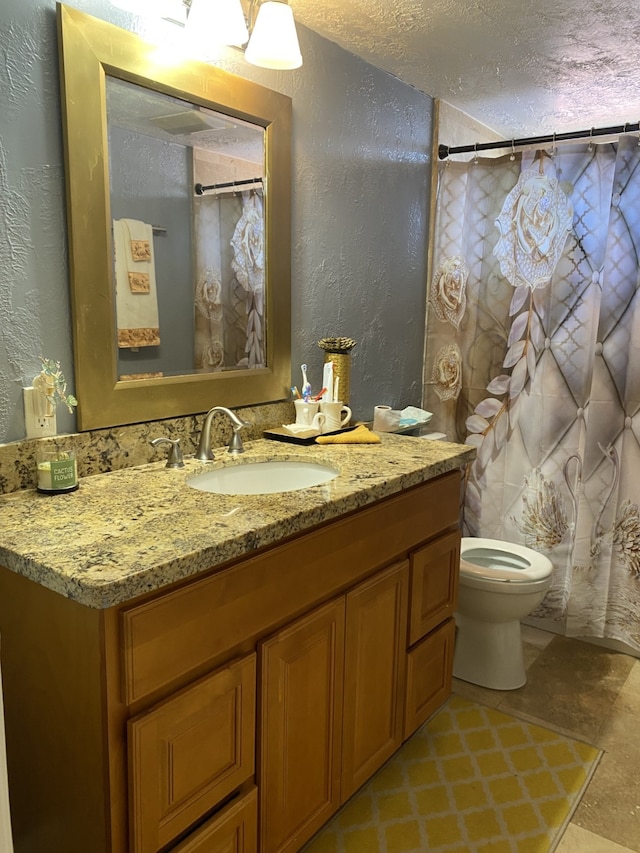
502	561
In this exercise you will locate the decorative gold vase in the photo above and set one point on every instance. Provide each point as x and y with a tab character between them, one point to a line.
338	350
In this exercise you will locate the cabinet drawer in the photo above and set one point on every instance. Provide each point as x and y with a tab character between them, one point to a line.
233	830
182	631
189	752
429	671
434	585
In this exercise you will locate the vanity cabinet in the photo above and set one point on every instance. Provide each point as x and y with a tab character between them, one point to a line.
331	709
374	676
189	752
232	830
235	710
301	728
429	671
435	571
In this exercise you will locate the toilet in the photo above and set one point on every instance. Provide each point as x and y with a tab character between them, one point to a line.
500	584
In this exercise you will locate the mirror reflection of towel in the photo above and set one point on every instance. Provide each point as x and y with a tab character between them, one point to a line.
136	295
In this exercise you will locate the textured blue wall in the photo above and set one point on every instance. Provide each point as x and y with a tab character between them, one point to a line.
361	161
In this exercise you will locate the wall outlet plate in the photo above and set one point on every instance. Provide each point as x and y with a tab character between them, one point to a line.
37	423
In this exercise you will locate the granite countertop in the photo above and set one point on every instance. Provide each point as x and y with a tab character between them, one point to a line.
132	531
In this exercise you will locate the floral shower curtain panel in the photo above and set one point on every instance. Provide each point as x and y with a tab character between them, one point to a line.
248	265
532	356
229	292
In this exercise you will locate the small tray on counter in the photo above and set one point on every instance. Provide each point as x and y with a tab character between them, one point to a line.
281	434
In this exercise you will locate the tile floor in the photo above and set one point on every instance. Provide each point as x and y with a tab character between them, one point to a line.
591	694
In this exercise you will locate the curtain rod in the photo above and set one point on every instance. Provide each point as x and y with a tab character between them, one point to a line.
444	150
199	189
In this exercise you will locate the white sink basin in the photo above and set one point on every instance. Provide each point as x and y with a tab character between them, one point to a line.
263	478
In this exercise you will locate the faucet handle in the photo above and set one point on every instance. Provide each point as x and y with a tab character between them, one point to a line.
235	445
174	459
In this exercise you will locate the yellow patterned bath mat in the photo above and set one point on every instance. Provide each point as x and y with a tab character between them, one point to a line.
472	780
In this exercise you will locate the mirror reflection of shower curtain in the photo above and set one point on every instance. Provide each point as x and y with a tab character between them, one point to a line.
229	281
532	345
248	265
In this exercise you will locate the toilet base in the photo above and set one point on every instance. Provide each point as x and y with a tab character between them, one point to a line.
489	653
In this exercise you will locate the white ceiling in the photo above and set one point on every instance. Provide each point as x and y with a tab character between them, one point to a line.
522	67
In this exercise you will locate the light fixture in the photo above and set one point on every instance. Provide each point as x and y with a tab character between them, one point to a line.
274	40
217	21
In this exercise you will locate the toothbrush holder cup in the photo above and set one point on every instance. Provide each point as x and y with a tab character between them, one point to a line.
337	415
307	414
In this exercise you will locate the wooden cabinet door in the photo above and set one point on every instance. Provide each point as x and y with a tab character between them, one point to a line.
375	672
300	729
434	584
189	752
429	672
233	830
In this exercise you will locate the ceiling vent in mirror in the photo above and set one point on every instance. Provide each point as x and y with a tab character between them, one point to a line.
190	121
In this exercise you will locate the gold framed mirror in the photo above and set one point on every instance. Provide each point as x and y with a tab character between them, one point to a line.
94	55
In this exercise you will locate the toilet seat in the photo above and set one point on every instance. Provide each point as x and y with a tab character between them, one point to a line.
495	560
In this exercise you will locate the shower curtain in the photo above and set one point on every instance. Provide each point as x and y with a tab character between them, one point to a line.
229	291
532	356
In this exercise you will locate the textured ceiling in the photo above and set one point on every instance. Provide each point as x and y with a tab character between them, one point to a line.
522	68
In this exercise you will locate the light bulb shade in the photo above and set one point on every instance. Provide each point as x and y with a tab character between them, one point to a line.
217	22
274	40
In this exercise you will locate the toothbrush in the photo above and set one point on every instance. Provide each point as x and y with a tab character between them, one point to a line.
295	392
318	396
306	385
327	381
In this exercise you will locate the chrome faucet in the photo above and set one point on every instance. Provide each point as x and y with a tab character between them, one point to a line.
204	452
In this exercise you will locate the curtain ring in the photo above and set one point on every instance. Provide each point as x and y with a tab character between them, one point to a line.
475	155
590	145
553	144
512	156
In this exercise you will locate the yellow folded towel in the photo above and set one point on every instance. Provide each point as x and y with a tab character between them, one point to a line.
359	435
